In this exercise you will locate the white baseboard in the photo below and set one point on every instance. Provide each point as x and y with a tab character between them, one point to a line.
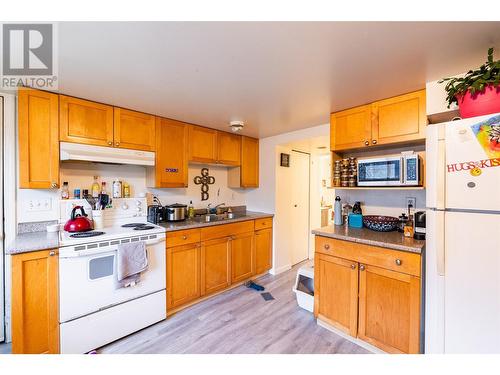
354	340
276	271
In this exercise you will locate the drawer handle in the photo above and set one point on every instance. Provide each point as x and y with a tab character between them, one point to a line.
52	253
327	246
362	267
184	237
399	262
353	266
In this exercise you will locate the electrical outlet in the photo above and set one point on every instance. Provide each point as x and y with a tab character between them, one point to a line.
412	201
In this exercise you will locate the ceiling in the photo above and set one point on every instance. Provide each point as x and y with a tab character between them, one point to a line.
277	77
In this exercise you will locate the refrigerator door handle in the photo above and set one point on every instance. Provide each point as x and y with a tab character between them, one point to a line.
441	175
440	244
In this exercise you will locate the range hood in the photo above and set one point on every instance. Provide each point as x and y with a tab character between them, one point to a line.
99	154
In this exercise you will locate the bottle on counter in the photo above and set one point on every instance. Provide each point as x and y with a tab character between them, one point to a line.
65	191
103	188
95	188
126	190
190	210
76	194
85	192
117	189
337	210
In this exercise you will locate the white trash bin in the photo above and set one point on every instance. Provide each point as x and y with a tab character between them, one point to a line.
304	286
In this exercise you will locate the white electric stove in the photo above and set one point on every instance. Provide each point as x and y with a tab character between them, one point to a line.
94	310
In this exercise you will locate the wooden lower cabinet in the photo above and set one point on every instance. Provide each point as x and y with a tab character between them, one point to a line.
263	250
389	309
201	262
183	274
215	265
374	303
336	287
242	257
35	303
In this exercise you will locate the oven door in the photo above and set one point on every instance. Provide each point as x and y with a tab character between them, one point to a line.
88	283
380	172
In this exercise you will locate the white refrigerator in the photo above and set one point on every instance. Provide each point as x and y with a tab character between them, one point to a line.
462	273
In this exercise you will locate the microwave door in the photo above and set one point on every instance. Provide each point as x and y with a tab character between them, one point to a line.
380	172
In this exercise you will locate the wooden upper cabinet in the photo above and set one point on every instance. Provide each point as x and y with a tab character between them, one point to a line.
351	128
389	309
249	162
171	166
183	274
38	134
202	144
228	148
35	301
399	119
134	130
336	292
83	121
390	121
242	257
263	250
215	265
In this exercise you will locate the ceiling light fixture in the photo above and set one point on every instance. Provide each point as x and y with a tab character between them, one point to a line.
236	126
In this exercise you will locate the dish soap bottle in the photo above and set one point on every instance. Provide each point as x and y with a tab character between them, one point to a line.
190	210
337	210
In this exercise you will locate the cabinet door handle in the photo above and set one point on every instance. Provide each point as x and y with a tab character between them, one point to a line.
399	262
117	144
327	246
52	253
184	238
353	266
361	267
374	141
110	143
367	143
53	185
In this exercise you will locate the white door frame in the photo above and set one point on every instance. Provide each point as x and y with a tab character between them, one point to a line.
2	254
9	188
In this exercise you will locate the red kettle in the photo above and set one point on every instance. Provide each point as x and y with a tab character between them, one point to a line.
78	222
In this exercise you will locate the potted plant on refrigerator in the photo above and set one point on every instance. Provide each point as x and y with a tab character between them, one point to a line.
477	92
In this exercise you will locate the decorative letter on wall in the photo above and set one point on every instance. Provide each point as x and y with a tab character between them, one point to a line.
204	180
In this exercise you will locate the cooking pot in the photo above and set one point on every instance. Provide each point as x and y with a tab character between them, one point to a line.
78	221
175	212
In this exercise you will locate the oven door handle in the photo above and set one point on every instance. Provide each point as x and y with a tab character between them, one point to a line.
90	252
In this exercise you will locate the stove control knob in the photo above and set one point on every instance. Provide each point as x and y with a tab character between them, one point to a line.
124	206
138	203
138	209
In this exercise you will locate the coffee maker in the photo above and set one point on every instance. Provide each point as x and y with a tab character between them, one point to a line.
419	225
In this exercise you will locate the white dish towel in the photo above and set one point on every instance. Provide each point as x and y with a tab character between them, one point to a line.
131	261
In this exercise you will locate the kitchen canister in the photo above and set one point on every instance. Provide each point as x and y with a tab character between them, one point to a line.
98	218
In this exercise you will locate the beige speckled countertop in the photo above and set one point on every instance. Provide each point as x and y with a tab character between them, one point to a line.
35	241
191	224
390	240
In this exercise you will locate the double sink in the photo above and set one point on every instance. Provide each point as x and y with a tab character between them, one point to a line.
209	218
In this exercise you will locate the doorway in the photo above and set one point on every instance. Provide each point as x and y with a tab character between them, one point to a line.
300	194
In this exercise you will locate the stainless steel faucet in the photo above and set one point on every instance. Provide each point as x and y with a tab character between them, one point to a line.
218	206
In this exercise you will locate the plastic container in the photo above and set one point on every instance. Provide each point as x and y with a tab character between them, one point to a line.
355	220
304	286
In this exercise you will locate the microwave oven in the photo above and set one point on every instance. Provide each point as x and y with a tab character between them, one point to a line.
400	170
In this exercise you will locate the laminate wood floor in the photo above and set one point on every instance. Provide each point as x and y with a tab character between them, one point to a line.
239	321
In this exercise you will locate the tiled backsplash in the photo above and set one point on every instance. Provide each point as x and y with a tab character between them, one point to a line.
80	175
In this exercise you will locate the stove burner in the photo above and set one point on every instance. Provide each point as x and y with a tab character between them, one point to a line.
133	225
144	227
86	234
